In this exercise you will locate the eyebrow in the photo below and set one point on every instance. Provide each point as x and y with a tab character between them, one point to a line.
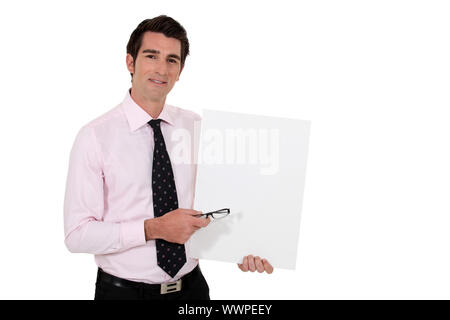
172	55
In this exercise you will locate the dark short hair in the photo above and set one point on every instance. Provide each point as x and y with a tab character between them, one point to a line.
161	24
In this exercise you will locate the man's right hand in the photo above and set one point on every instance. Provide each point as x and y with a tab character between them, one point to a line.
175	226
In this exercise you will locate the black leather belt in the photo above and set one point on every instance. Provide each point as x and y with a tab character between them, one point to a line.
163	288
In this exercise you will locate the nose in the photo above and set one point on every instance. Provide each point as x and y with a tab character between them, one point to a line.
161	67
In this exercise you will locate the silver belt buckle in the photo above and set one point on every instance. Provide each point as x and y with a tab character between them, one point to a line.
170	287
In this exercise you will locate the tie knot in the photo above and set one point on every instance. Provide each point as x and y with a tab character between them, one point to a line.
155	123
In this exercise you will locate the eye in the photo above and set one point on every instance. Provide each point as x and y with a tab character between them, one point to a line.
172	61
151	56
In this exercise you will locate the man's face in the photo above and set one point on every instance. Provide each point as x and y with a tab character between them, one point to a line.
157	66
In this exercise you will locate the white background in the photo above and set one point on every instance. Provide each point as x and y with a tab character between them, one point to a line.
372	76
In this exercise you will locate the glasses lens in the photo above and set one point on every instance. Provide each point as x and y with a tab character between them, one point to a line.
219	215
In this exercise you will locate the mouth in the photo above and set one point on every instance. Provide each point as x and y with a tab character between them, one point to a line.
158	82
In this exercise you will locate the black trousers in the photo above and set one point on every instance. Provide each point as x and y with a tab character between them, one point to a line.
108	287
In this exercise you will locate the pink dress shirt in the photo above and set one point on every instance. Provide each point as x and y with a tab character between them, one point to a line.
109	193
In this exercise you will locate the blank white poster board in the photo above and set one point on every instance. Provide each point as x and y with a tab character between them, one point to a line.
254	165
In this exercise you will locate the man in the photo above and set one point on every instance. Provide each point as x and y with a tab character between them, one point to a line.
125	201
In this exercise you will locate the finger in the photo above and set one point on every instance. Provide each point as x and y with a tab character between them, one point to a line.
251	263
190	212
259	265
244	265
200	222
241	266
267	266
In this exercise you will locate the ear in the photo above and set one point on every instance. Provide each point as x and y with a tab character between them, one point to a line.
130	63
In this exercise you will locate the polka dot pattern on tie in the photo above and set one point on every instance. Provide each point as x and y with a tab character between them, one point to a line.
170	256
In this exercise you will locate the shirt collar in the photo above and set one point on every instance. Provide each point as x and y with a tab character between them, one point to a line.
138	117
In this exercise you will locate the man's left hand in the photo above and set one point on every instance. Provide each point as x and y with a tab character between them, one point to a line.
253	264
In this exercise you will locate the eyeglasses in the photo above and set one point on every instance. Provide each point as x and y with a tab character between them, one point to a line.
218	214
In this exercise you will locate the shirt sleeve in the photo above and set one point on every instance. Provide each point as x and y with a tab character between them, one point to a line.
84	228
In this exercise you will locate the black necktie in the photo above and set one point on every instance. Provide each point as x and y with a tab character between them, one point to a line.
171	256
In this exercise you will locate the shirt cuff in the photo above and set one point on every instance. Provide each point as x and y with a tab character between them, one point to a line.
132	234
